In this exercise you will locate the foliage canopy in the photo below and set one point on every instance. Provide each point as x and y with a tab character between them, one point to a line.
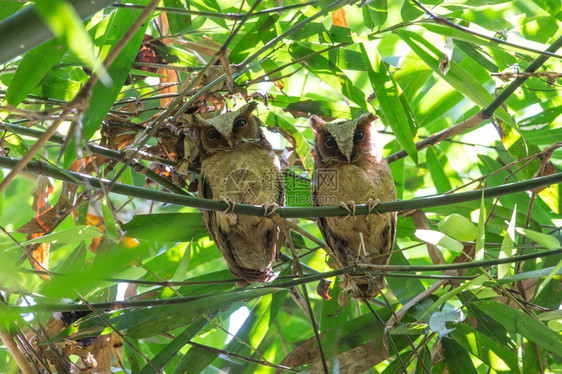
467	98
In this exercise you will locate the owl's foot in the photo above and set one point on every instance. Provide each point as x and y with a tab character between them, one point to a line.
267	205
350	207
371	204
230	202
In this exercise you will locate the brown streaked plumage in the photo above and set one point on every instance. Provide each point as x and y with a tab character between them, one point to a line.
239	165
349	168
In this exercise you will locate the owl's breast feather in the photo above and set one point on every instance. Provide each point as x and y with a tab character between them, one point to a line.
348	182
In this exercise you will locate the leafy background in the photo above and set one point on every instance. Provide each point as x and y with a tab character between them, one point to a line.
422	68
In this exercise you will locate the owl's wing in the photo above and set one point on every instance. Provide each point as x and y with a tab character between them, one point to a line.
220	238
223	243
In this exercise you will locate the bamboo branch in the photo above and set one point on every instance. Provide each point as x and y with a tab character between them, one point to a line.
39	167
18	356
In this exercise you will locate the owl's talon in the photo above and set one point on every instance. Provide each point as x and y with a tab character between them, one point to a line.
230	202
267	205
350	207
372	204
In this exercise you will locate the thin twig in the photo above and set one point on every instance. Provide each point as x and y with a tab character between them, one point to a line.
247	359
444	21
228	16
116	331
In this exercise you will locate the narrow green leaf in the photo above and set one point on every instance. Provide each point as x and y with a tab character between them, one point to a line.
476	283
103	97
328	71
166	227
375	13
437	172
145	322
477	56
7	8
439	239
111	229
388	95
458	359
166	354
533	274
72	235
84	277
556	270
521	323
507	249
487	350
63	20
545	240
457	76
32	69
195	361
458	227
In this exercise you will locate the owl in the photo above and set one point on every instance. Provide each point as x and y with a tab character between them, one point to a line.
238	165
350	170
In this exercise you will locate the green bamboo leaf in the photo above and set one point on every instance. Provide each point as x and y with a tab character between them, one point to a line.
145	322
343	339
64	22
545	240
457	357
533	274
439	239
103	97
457	76
83	277
436	169
507	249
328	71
477	56
166	227
556	270
7	8
487	350
388	94
32	69
111	229
476	283
195	361
163	358
72	235
375	13
458	227
518	322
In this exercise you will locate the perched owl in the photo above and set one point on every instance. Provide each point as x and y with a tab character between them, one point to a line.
238	165
350	170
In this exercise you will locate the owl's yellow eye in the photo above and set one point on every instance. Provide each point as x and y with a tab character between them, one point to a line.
359	135
241	122
330	142
213	134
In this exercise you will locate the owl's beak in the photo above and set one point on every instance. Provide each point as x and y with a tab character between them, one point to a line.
230	142
347	150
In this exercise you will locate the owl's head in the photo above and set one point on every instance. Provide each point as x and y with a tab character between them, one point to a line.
344	140
229	129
